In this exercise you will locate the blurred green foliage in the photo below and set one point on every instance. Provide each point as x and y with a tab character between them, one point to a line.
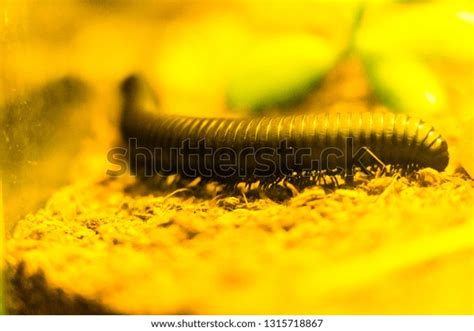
405	84
279	72
396	47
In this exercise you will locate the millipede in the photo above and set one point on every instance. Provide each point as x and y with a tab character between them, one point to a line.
270	148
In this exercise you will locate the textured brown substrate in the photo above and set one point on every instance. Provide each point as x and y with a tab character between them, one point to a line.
391	246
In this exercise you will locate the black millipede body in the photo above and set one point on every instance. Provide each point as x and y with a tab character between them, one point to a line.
272	147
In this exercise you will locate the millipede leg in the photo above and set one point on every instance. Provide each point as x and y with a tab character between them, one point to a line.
378	163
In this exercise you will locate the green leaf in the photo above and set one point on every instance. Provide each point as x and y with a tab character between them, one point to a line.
279	72
405	84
